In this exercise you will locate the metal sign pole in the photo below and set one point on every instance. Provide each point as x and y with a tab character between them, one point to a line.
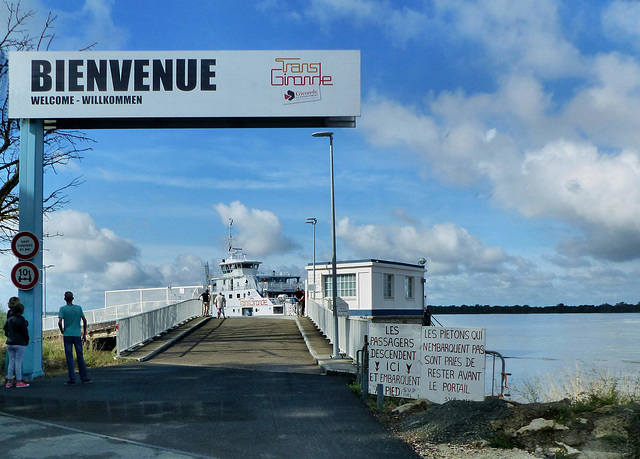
30	219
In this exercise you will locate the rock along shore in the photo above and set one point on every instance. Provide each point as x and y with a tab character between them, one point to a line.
498	428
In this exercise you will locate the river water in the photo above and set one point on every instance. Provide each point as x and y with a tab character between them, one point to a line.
545	348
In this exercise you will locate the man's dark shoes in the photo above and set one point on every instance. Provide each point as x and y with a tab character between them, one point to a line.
70	383
87	381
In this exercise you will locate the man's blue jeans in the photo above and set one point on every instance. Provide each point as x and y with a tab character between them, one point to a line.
69	343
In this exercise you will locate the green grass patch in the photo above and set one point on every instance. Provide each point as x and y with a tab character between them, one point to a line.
54	361
355	388
502	440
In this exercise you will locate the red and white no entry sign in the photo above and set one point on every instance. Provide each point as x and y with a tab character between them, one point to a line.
25	275
25	245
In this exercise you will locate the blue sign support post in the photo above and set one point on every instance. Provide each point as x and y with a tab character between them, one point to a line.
30	218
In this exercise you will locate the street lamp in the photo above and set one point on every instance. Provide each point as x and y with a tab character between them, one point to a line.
334	276
313	221
44	288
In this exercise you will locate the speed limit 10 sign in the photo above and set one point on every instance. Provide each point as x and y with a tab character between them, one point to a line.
25	275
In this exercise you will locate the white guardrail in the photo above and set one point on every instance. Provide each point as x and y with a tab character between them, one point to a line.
130	302
110	314
137	329
351	330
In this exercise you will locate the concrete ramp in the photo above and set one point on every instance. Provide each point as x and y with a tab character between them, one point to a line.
244	343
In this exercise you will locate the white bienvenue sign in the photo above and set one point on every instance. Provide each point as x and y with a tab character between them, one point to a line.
184	84
394	359
435	363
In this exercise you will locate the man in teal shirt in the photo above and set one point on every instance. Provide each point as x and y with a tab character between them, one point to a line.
72	314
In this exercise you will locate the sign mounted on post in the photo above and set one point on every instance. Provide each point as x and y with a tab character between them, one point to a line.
25	245
435	363
186	88
394	359
24	275
453	363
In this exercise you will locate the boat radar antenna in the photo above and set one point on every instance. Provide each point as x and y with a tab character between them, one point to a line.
231	248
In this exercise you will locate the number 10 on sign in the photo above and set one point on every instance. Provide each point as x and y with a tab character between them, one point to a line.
25	275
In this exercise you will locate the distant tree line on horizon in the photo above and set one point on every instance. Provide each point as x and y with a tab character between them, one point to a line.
526	309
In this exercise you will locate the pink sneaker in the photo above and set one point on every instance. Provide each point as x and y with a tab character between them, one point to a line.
22	384
8	385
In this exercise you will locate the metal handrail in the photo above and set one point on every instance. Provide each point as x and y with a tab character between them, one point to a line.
503	374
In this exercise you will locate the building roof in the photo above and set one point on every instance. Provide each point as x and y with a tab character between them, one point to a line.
369	260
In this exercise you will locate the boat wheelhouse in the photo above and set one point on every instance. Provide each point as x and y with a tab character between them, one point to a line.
248	292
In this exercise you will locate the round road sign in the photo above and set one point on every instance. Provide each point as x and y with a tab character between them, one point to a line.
25	275
25	245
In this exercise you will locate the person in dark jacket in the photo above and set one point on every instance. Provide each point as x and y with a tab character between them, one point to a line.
13	301
17	340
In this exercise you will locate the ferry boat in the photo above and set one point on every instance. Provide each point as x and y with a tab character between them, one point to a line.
249	292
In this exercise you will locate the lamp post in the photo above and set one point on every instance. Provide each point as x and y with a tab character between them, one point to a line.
334	276
313	221
44	288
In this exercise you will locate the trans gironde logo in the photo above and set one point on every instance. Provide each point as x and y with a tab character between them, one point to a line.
289	95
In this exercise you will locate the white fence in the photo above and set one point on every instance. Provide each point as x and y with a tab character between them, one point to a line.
125	303
137	329
150	298
351	330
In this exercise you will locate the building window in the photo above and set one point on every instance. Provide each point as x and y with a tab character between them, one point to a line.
388	285
346	285
408	287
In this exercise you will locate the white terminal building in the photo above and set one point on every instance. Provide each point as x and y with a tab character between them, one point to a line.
371	288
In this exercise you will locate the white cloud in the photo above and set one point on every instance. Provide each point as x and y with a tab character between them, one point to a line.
82	246
88	260
448	248
401	24
259	231
523	36
461	268
574	181
184	270
571	181
530	150
620	21
607	110
93	24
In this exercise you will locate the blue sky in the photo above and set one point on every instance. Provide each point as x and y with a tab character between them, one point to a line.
498	139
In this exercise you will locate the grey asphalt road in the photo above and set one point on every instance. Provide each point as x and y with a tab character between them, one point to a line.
234	388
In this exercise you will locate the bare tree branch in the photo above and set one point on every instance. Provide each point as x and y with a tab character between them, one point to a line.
60	147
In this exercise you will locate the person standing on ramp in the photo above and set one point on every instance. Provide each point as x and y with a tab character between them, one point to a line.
221	302
71	314
206	300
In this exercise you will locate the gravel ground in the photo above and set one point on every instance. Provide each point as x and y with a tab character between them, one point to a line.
449	451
